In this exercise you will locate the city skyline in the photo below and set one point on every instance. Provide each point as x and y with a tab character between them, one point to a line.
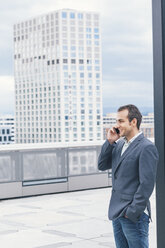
126	48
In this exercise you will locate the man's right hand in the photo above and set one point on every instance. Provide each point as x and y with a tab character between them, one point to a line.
112	136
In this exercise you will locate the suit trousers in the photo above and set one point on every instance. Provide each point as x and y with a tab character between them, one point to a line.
129	234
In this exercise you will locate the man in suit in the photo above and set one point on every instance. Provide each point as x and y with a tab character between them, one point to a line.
133	160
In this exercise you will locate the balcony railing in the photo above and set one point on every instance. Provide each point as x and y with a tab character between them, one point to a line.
34	169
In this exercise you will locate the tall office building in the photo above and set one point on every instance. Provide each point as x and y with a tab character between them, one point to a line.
58	77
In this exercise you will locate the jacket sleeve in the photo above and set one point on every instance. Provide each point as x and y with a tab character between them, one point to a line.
105	157
147	176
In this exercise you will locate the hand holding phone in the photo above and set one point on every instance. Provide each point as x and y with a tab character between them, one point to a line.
113	135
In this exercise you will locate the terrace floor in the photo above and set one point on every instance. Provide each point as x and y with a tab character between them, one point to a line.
69	220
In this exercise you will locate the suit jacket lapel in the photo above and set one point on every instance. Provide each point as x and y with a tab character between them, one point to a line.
119	149
118	152
128	150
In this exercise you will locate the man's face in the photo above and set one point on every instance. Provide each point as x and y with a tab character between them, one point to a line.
125	127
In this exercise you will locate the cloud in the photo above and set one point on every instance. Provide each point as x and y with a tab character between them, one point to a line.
125	92
127	40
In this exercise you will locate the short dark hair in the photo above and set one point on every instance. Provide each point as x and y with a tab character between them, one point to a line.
133	112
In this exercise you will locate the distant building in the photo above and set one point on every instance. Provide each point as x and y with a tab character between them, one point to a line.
147	125
7	130
58	77
109	120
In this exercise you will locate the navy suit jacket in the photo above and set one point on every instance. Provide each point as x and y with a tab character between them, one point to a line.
133	176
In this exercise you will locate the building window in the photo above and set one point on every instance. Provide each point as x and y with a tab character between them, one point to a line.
89	42
88	36
96	30
88	30
73	61
81	75
72	15
89	61
65	67
73	76
64	15
96	43
65	48
96	36
81	61
66	74
65	54
80	16
65	61
81	68
73	48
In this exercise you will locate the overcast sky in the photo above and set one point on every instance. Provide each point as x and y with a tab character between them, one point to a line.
126	28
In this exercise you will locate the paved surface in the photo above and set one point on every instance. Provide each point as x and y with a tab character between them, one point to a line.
69	220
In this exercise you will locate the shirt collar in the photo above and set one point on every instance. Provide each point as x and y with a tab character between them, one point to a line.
133	138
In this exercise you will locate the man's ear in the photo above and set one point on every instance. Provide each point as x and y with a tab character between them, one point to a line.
134	122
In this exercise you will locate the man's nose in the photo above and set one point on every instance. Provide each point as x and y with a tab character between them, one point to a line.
117	125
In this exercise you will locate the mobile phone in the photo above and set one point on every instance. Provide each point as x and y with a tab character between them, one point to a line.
117	130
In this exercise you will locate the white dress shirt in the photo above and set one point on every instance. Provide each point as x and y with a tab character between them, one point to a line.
127	143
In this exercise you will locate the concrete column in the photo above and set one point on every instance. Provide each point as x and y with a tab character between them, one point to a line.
158	11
